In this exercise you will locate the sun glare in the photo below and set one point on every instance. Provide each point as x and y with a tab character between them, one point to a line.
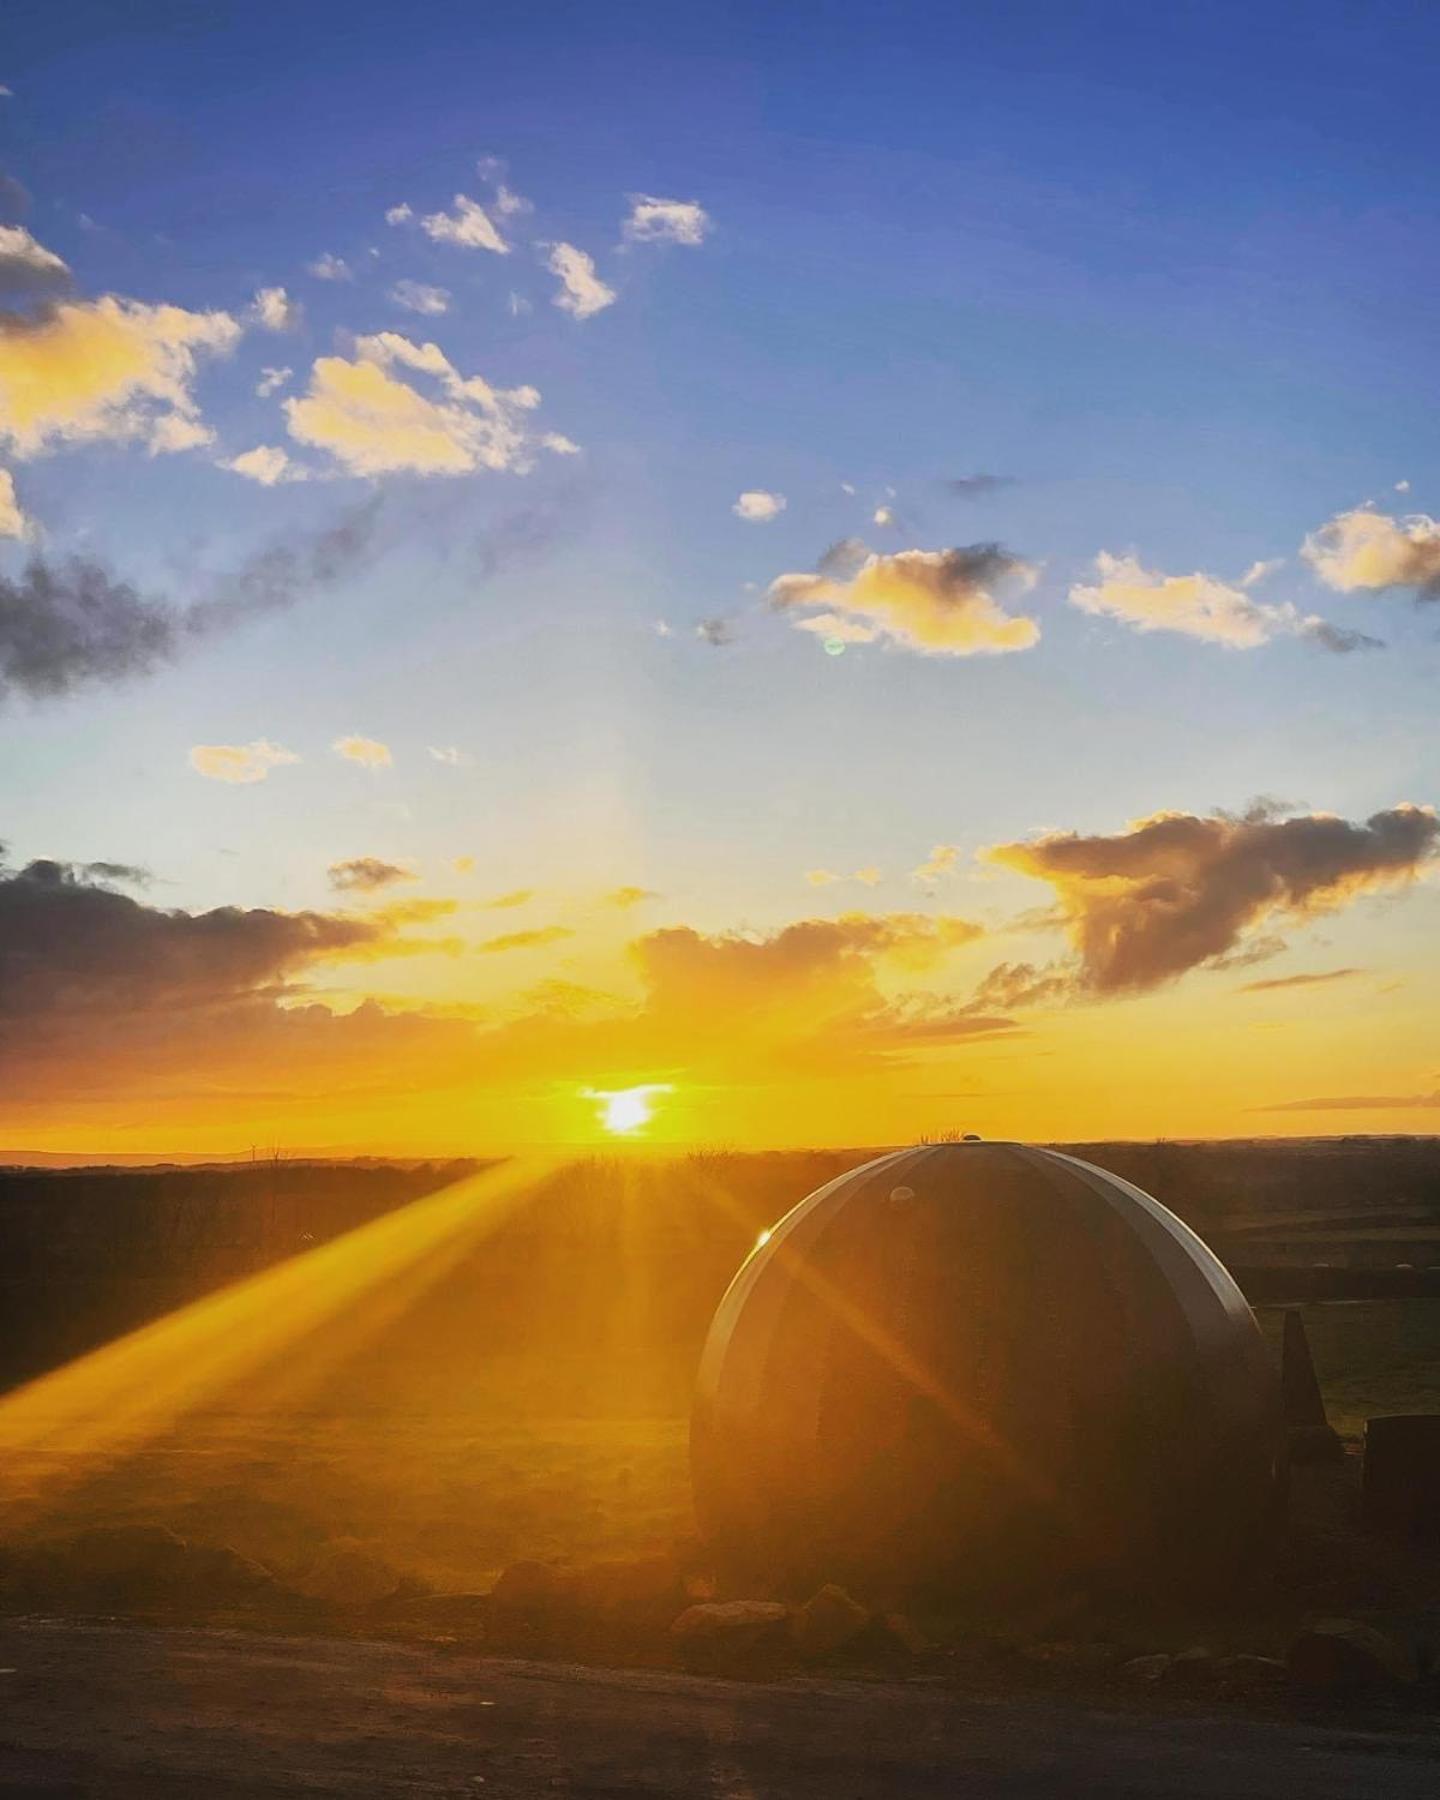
625	1111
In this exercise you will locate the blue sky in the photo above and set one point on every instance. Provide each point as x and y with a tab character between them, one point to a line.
1167	271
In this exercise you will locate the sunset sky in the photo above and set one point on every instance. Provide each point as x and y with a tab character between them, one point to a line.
865	572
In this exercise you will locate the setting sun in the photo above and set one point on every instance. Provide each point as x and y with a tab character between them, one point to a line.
624	1111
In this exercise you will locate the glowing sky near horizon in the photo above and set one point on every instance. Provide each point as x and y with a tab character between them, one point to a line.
844	585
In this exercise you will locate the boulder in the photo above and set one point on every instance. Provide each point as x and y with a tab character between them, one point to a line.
1066	1653
641	1596
1342	1653
138	1558
827	1621
217	1572
1195	1664
532	1592
898	1631
1246	1674
731	1636
348	1575
1149	1668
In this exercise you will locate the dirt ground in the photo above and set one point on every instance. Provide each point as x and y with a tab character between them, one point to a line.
144	1714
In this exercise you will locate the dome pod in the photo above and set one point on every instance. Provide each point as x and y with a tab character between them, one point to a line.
984	1365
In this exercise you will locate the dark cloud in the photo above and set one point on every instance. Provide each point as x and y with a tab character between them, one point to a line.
366	874
283	572
716	632
841	560
972	487
73	951
1296	981
72	624
1178	890
131	874
1021	984
31	276
1337	638
14	197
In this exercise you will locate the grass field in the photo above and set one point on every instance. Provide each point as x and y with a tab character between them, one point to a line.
450	1497
1372	1356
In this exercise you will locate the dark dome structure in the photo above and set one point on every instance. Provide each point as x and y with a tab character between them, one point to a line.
983	1364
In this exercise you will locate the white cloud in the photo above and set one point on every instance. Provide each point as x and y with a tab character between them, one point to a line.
655	221
241	763
558	444
508	203
399	215
1201	606
449	754
822	877
884	515
370	753
28	264
1198	606
174	432
1366	550
939	602
416	297
274	310
1402	487
13	523
271	381
517	305
330	268
757	505
374	422
1261	571
469	226
267	464
582	292
108	370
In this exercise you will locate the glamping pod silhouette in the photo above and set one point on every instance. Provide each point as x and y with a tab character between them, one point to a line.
980	1365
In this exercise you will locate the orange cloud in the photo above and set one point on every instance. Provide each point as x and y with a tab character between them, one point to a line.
525	940
1366	550
939	602
108	369
373	420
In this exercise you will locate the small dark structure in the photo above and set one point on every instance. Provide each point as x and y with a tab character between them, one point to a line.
1309	1435
980	1365
1401	1493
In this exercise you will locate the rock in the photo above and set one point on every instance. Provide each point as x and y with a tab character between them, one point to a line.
347	1574
534	1592
731	1636
149	1556
728	1618
218	1572
1149	1668
827	1621
1194	1664
1342	1653
1245	1674
136	1566
642	1596
1067	1654
898	1631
